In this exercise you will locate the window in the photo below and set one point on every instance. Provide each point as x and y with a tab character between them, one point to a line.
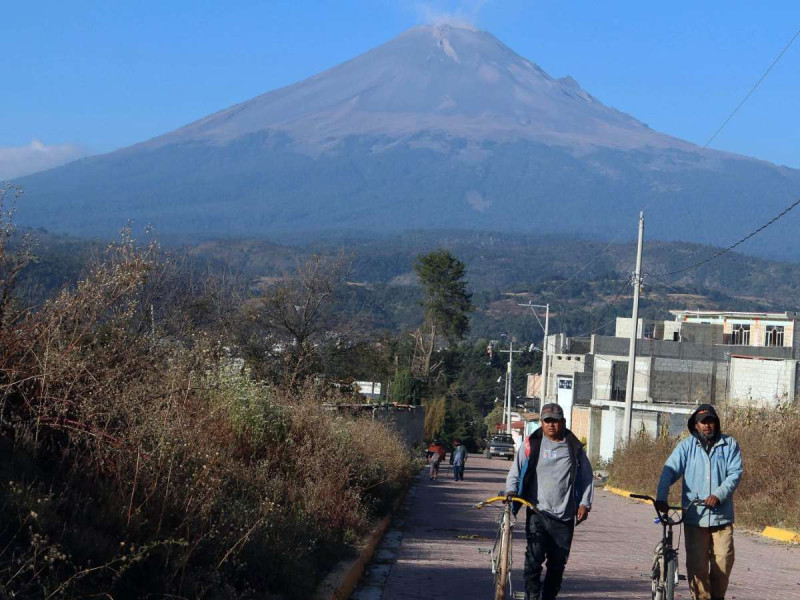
774	335
740	336
619	376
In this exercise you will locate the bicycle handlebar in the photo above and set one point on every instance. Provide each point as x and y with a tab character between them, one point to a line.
503	499
653	500
663	517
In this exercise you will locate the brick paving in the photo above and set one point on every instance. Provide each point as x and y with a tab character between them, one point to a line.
434	549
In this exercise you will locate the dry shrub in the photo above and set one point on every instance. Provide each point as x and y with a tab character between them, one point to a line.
637	466
141	463
769	493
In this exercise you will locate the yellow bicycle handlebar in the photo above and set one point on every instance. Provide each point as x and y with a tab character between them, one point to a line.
502	499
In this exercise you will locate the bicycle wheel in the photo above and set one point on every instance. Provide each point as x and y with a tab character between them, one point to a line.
656	583
502	575
670	575
495	553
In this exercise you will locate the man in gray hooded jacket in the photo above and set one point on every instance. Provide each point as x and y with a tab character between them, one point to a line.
710	463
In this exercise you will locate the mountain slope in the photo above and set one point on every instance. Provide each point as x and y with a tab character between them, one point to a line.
440	127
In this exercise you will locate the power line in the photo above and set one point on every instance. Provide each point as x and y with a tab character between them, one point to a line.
753	89
713	136
732	246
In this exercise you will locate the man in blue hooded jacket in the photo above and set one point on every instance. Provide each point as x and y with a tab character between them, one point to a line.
711	466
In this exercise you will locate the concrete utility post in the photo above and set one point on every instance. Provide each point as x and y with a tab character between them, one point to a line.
507	398
637	284
545	352
509	372
546	329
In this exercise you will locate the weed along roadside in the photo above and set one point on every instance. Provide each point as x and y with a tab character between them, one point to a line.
345	576
143	462
767	500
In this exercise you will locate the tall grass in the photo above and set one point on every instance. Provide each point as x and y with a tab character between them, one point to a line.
769	493
140	462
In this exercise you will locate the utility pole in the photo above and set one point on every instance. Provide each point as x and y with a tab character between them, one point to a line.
546	329
545	353
507	399
637	284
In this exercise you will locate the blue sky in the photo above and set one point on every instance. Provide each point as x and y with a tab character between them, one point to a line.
87	77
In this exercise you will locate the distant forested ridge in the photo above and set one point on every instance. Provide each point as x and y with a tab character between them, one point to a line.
584	281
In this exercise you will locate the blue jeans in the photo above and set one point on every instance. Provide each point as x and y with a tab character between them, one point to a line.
458	472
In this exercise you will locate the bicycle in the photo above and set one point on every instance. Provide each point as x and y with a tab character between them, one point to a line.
664	575
500	552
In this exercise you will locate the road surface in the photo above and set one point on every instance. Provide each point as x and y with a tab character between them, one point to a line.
432	550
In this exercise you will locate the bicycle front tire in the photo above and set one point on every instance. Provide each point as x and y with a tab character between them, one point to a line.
670	575
503	575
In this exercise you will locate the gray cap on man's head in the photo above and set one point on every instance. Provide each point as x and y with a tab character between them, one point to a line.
551	411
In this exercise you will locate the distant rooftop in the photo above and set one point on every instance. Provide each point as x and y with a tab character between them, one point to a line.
682	315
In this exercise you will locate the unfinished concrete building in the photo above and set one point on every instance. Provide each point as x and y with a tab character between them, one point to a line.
701	356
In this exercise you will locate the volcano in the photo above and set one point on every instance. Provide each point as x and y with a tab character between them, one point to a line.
441	127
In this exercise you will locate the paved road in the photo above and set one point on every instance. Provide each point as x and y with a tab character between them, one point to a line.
432	550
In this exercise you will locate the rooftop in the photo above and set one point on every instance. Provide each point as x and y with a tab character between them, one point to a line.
722	314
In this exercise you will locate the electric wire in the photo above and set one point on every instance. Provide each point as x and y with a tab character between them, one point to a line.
710	139
780	215
753	89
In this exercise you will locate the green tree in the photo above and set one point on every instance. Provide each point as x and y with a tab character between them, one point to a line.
463	422
446	301
404	388
493	419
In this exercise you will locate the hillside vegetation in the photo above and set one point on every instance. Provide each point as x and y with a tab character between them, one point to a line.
140	459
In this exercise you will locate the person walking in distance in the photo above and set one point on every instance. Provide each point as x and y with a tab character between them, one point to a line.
458	458
436	454
551	470
710	463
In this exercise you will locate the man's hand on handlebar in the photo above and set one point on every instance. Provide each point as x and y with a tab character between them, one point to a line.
711	501
509	497
662	507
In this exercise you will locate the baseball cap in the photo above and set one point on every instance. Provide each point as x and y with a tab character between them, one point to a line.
551	411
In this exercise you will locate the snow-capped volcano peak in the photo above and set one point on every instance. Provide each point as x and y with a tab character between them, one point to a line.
453	80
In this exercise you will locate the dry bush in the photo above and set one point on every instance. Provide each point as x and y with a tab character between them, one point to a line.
143	462
769	493
637	466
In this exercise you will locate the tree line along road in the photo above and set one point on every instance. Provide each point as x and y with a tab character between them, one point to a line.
432	551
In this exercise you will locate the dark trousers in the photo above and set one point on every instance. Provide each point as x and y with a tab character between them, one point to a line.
549	541
458	472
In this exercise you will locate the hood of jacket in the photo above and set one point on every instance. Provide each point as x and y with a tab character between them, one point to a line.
706	410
